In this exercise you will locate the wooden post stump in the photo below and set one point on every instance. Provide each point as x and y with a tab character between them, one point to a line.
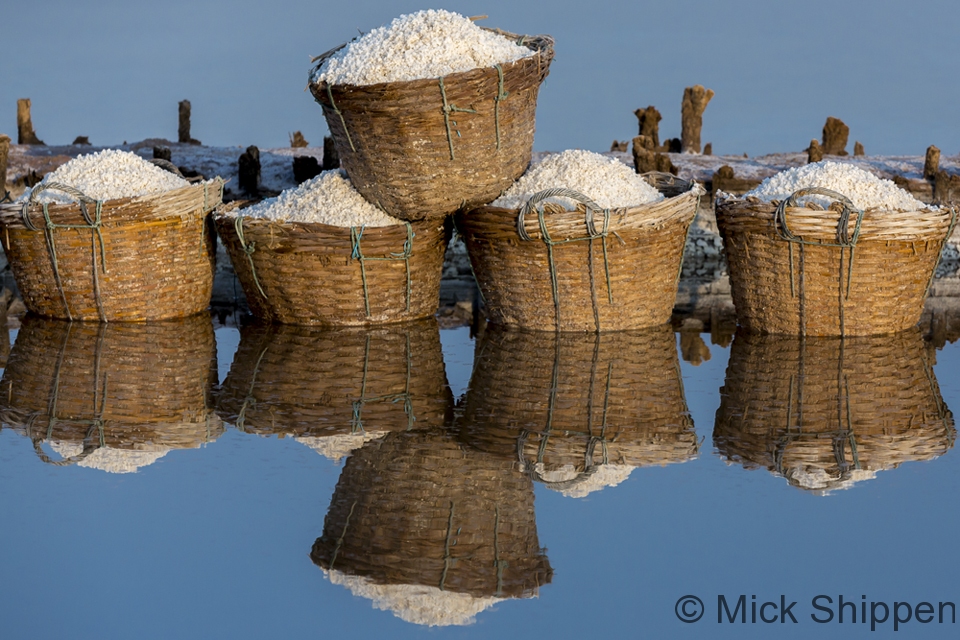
304	168
858	149
183	130
946	188
25	132
695	100
835	135
4	153
162	153
931	164
331	159
814	152
249	170
649	120
297	140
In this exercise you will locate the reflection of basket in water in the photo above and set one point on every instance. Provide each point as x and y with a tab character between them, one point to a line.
826	412
123	386
569	271
302	381
317	274
134	259
798	271
572	403
425	148
415	508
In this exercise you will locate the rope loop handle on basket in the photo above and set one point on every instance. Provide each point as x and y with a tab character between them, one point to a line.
535	202
248	249
844	238
93	223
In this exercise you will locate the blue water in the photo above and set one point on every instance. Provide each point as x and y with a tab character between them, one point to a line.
216	541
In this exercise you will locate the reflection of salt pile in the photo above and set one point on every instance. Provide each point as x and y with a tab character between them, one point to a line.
112	396
431	531
579	411
415	603
826	413
336	447
109	460
351	382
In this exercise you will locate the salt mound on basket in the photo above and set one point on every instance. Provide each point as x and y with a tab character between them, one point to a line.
425	44
329	198
108	459
819	480
607	181
864	189
603	476
108	175
336	447
416	603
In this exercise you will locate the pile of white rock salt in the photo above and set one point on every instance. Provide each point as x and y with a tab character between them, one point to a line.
864	189
425	44
328	198
108	175
605	180
110	460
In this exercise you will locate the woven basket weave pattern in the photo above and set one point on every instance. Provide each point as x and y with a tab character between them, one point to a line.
415	508
302	381
393	138
143	383
834	404
579	399
808	293
309	273
157	261
644	249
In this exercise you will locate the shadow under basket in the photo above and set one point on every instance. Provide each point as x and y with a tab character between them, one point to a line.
317	274
542	267
575	401
130	259
310	382
826	412
803	271
415	508
127	386
422	149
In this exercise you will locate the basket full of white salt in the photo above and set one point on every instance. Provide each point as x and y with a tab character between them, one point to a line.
779	407
333	389
828	249
109	236
319	254
581	243
113	396
578	411
432	531
432	113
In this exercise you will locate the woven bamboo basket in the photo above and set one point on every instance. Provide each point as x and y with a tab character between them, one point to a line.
425	148
825	412
129	259
541	267
802	271
416	508
317	274
577	402
127	386
307	382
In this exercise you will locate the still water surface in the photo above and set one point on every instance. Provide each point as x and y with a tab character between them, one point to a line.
369	483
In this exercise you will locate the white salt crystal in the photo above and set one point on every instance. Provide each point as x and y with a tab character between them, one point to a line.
329	198
107	175
864	189
607	181
425	44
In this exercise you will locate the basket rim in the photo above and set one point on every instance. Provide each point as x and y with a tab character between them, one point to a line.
228	213
539	44
10	214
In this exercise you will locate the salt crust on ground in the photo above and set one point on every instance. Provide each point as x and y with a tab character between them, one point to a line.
329	198
605	475
107	459
605	180
415	603
336	447
425	44
866	190
108	175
